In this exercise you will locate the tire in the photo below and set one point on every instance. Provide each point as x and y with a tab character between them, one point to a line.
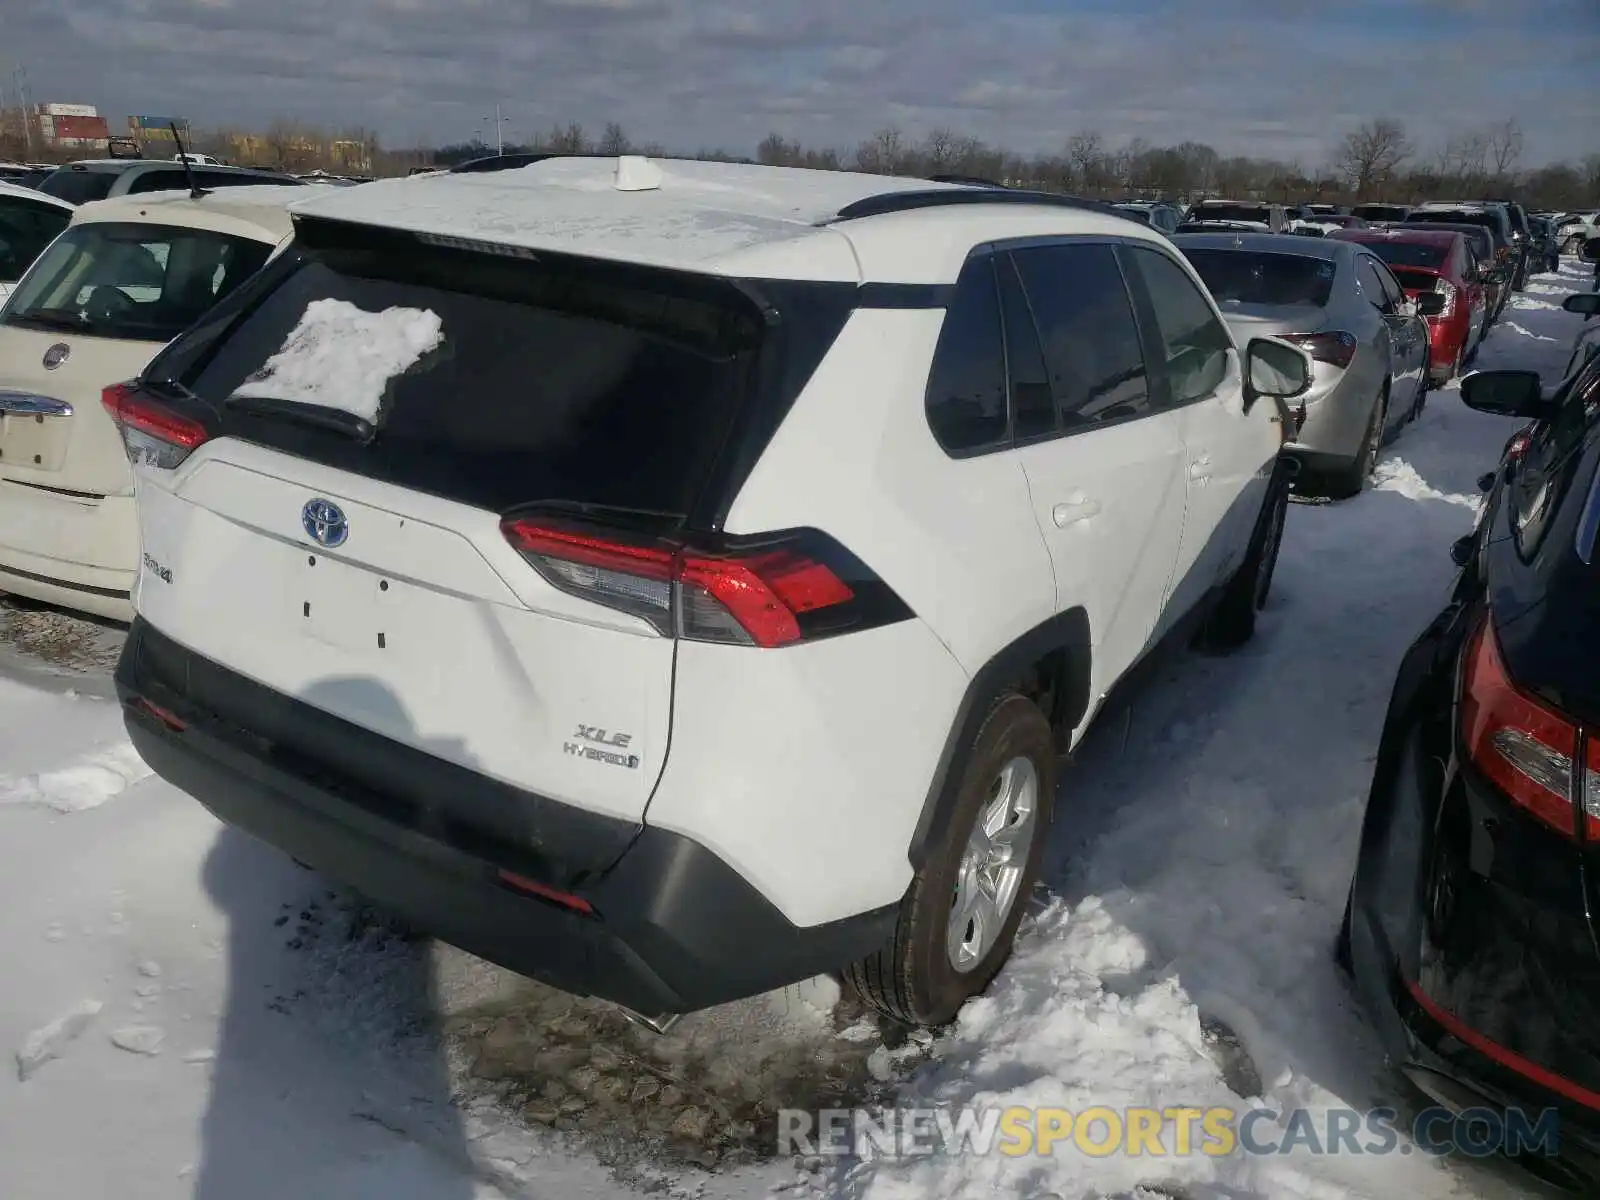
1351	479
1233	622
914	979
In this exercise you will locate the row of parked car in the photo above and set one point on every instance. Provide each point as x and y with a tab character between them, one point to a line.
670	579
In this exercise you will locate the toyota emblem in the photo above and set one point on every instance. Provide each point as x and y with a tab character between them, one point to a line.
324	522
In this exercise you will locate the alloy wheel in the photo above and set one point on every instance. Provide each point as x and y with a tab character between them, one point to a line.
992	865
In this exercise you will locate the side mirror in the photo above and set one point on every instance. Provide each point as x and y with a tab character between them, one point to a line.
1276	370
1591	250
1430	304
1505	394
1587	303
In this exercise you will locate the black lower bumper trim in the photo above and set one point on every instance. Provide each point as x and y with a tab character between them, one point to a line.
675	928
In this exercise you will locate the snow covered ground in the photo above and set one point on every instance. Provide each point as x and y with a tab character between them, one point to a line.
194	1015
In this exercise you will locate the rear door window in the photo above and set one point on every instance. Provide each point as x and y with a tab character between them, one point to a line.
1088	331
1372	286
132	281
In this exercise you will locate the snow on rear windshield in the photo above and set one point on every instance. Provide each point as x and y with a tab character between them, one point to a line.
343	357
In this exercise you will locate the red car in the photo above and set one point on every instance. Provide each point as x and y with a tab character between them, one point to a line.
1428	260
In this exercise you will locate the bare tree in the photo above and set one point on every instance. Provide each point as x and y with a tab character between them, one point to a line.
775	152
568	140
1369	156
1505	146
940	151
614	141
1086	152
882	153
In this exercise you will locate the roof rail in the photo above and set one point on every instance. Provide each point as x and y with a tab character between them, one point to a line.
909	201
969	180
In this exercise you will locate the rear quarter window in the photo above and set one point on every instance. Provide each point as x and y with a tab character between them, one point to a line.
966	398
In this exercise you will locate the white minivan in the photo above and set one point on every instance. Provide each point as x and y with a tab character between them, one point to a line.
125	277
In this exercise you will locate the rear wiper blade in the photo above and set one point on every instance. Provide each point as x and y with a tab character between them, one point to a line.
52	318
315	415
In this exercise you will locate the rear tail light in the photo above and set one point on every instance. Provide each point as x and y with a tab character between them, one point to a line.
152	434
1524	746
1337	349
785	590
1448	290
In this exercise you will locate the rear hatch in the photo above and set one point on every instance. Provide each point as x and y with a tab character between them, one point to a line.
92	311
403	436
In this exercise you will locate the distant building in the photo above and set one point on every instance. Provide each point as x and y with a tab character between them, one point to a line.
72	126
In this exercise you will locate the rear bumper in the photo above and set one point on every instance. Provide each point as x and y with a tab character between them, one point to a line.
672	927
76	551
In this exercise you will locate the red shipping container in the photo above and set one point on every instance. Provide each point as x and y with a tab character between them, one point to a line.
70	129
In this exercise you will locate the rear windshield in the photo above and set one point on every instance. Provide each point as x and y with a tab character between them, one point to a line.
493	380
1381	212
26	228
1416	281
78	187
131	281
1455	217
1231	212
1409	254
1248	277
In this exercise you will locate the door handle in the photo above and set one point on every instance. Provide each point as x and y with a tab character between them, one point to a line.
1200	468
1070	514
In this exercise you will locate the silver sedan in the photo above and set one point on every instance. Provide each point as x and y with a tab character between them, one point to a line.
1338	302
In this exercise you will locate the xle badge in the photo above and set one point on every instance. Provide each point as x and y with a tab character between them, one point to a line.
598	745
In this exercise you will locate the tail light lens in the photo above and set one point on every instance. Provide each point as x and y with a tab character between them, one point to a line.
784	591
1448	290
1525	746
1337	348
152	434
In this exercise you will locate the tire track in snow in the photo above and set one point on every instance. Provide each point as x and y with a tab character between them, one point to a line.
87	783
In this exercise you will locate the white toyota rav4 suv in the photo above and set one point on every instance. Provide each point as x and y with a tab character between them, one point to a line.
672	580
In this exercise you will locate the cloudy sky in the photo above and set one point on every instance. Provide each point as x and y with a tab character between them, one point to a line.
1278	77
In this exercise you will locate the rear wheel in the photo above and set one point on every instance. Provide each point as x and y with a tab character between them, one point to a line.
959	917
1351	479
